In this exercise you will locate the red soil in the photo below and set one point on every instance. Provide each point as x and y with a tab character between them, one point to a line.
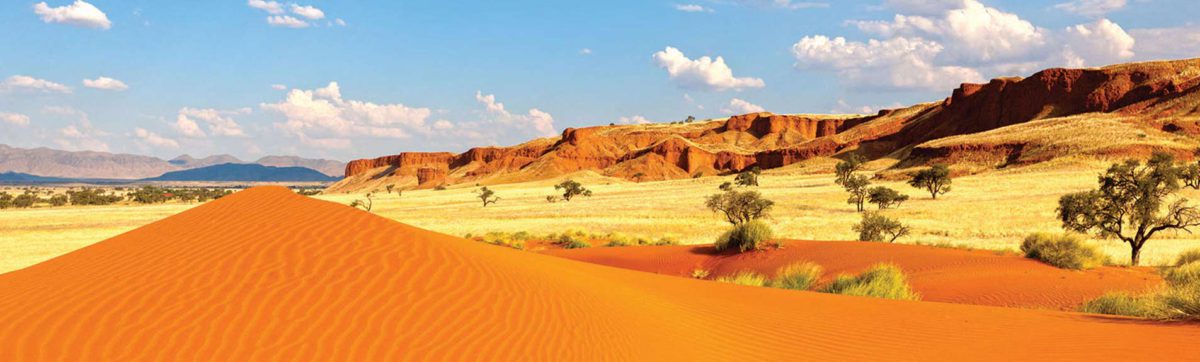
939	274
269	275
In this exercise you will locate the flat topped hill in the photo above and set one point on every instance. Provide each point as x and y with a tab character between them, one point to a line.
1119	110
266	274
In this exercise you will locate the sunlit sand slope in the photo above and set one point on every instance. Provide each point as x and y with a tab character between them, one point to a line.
268	275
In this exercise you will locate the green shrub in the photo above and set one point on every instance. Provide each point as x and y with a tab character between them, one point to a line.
880	281
877	227
1062	250
745	278
743	237
665	241
1123	303
1188	257
1184	276
797	276
568	241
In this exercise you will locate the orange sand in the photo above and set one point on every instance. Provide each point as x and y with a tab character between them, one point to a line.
939	274
269	275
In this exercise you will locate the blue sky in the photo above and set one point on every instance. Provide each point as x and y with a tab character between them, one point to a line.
366	78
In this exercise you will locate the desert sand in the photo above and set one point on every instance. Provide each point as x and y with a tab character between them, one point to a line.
269	275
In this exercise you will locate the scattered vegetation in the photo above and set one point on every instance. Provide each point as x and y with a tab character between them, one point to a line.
845	169
571	188
797	276
1129	204
1189	256
748	177
568	241
877	227
935	179
699	273
366	203
857	185
740	207
744	237
880	281
745	278
885	197
726	186
487	196
1062	250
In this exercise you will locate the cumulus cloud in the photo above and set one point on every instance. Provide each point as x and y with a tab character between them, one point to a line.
974	33
153	139
15	119
270	7
220	123
901	63
1094	8
636	119
1098	43
23	83
703	73
78	136
541	122
105	83
79	13
308	12
323	111
287	22
1167	43
739	106
692	8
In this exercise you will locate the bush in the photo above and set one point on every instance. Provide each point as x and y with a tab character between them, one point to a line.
876	227
1123	303
1188	257
1186	276
880	281
568	241
745	278
1062	250
618	239
744	237
1178	300
885	197
798	276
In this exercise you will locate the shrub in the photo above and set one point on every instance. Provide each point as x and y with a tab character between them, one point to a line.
748	177
797	276
1186	276
1188	257
1178	300
487	196
1062	250
699	273
740	207
880	281
568	241
744	237
618	239
745	278
1123	303
876	227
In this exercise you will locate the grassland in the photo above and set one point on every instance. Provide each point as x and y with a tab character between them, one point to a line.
994	210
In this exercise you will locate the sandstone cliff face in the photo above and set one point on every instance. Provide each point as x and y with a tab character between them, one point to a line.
1166	95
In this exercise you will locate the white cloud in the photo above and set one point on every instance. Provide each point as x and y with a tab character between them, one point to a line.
1167	43
585	51
287	21
339	22
278	87
323	111
1093	8
105	83
79	13
539	121
692	8
1099	43
784	4
901	63
739	106
15	119
636	119
973	33
220	123
844	107
22	83
80	136
154	139
309	12
442	125
271	7
703	73
924	7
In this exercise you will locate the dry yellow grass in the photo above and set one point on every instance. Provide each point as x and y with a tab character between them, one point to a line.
993	210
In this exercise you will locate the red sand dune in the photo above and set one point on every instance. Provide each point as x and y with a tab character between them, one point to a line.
269	275
939	274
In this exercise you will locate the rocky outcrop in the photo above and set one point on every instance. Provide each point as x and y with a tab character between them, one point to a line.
430	177
404	164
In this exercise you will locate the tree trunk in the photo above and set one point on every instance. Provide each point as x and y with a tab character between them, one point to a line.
1136	254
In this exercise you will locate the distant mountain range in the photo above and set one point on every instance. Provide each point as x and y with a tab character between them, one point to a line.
48	162
246	172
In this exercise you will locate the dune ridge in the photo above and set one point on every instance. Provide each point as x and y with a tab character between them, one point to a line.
265	274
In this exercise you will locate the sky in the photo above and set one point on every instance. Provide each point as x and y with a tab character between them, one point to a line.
356	79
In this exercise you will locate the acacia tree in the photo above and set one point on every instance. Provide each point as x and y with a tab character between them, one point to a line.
740	207
1129	204
857	185
885	197
853	163
935	179
571	189
487	195
748	177
876	227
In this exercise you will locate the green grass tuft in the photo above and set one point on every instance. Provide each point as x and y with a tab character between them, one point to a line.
797	276
880	281
744	237
745	278
1189	256
1062	250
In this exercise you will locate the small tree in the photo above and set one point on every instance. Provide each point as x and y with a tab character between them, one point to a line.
885	197
690	119
1129	204
25	200
58	200
551	198
748	177
726	186
876	227
853	163
571	189
857	185
367	204
935	179
740	207
487	195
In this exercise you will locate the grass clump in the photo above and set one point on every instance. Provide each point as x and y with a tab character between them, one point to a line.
568	241
797	276
743	237
1123	303
1179	299
1188	257
880	281
745	278
1062	250
1184	276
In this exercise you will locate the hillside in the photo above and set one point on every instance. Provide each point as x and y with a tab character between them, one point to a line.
1119	110
266	274
246	173
328	167
103	165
